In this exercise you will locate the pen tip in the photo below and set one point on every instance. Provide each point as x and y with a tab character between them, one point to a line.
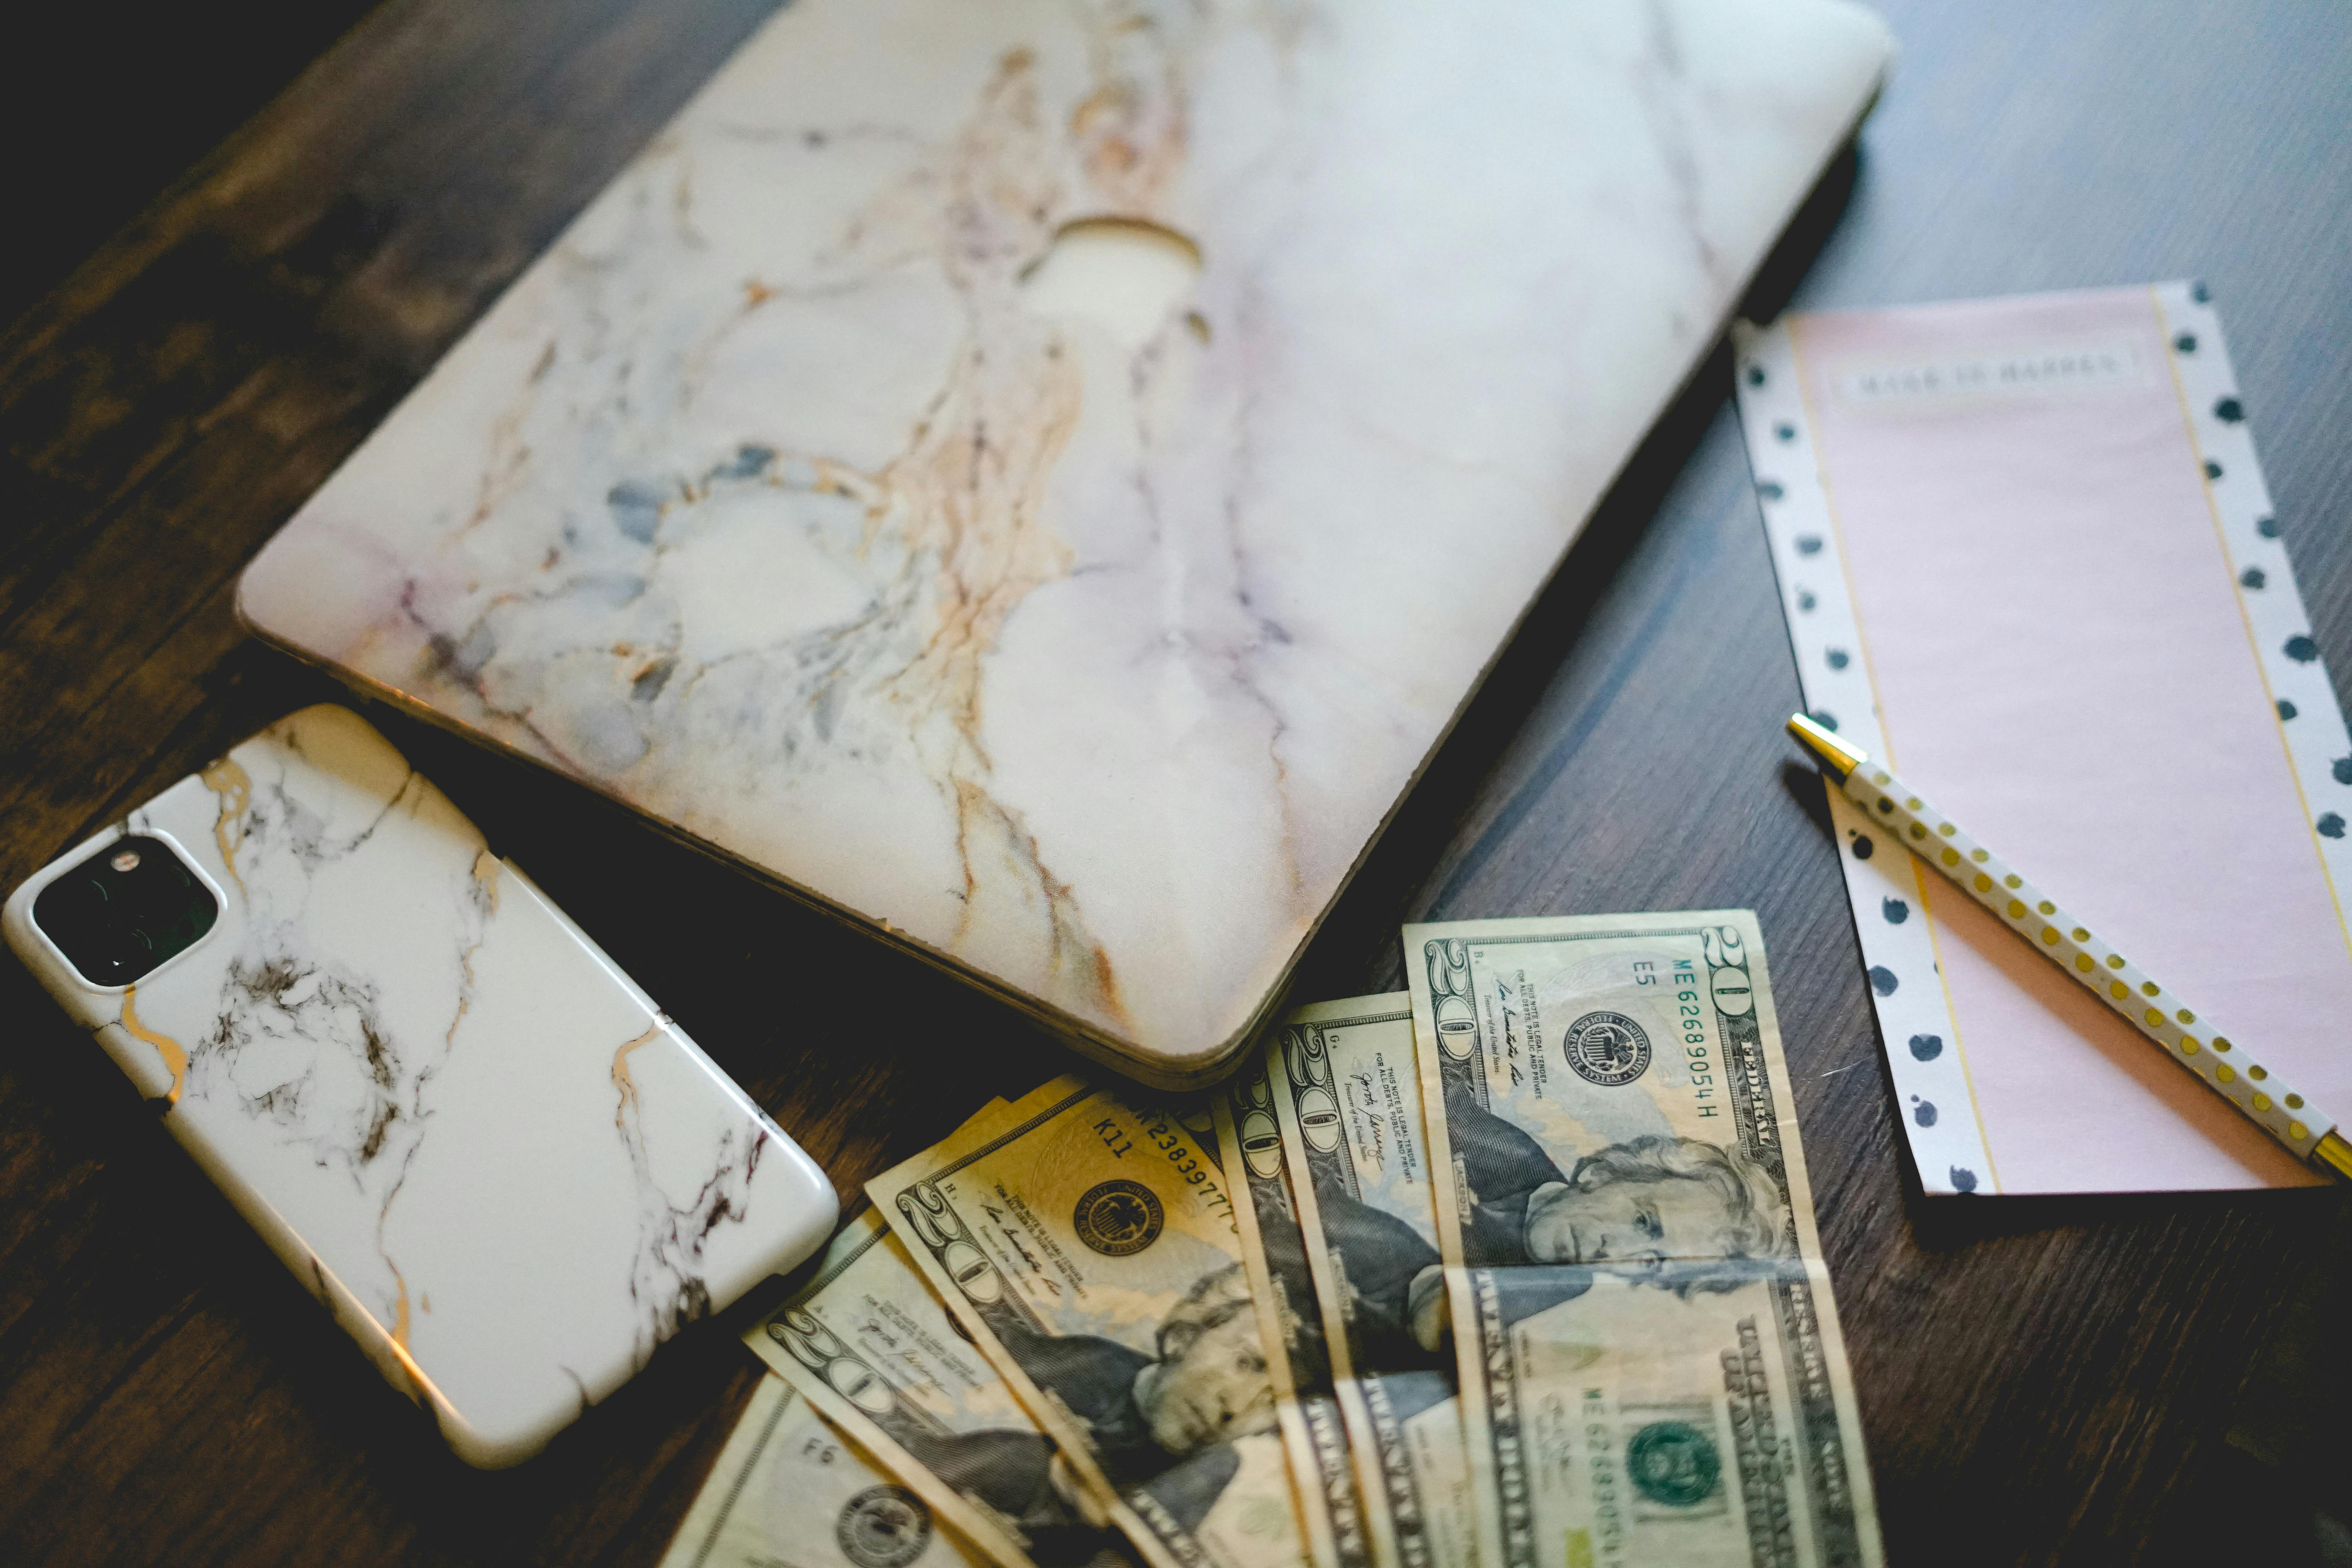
1833	753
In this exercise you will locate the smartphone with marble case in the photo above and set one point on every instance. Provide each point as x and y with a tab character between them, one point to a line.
474	1138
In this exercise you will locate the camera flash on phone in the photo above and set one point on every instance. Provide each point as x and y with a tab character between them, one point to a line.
126	861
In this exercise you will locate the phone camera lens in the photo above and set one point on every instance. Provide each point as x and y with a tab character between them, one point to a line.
125	909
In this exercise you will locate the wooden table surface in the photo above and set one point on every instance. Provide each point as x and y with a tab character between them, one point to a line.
2041	1380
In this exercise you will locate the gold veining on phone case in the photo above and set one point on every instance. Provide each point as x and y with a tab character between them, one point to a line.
420	1385
165	1047
486	878
399	1306
621	1078
229	780
486	898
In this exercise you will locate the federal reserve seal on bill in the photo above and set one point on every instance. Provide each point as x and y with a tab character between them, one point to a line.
1607	1048
883	1527
1673	1464
1119	1218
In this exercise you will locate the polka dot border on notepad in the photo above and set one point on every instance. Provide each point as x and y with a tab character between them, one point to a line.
2310	721
1898	952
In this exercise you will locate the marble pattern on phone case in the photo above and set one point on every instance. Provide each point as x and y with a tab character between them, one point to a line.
400	1029
774	503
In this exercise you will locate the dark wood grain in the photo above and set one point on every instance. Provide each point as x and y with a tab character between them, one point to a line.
125	113
2042	1380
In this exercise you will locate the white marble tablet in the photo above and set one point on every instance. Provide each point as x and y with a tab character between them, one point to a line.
1074	613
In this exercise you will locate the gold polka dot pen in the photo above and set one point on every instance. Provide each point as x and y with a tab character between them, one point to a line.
2184	1034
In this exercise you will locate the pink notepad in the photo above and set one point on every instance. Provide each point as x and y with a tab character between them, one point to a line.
2028	557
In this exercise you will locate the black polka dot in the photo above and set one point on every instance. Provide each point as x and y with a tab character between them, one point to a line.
2301	648
1824	718
1881	980
2330	826
2229	410
1895	910
1963	1179
1927	1048
2342	768
1839	658
2201	294
2267	527
1862	847
2287	709
1809	544
1785	432
1755	375
1805	601
2186	342
1770	489
1924	1113
2253	577
2213	469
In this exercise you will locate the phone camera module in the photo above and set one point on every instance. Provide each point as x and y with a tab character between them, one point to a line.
123	911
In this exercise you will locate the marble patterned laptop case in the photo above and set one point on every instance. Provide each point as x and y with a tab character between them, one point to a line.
1080	637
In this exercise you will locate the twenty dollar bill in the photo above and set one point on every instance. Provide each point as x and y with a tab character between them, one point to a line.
1274	1252
868	1344
788	1489
1089	1247
1348	1102
1650	1369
